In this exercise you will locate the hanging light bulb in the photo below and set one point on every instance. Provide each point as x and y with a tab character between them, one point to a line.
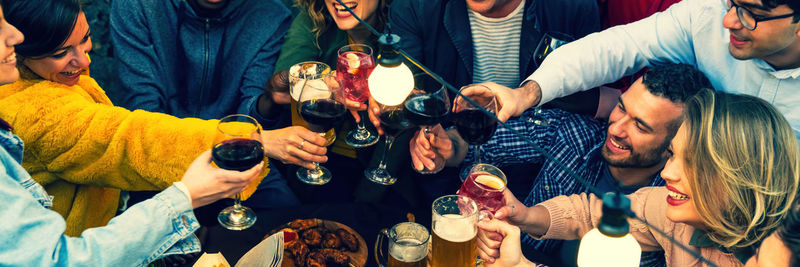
610	244
391	81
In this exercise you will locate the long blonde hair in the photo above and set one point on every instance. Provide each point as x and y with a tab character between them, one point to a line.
322	18
745	163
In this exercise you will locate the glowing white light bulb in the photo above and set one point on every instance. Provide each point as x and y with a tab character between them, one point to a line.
597	249
391	85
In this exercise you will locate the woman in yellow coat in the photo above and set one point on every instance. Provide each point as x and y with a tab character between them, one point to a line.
80	147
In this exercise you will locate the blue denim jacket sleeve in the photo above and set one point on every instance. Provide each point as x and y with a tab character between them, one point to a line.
32	235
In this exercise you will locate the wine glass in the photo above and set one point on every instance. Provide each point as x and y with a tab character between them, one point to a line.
393	121
475	126
321	106
239	150
427	105
549	42
485	184
353	67
299	75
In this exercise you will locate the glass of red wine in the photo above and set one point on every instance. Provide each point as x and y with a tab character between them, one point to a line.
353	67
427	105
393	121
239	150
485	184
473	124
321	106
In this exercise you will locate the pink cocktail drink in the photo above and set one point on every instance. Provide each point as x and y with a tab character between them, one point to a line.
352	70
486	189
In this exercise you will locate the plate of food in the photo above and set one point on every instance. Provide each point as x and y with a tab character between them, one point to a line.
321	243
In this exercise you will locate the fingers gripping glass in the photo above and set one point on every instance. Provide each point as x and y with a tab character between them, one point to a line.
239	150
750	21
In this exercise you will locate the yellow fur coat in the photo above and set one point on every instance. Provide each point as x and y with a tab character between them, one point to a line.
83	150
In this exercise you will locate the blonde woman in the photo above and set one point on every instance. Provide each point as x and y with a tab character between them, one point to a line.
730	182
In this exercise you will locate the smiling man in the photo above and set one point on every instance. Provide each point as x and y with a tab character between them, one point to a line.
744	46
630	149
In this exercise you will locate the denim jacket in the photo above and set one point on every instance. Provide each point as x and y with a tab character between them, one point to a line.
33	235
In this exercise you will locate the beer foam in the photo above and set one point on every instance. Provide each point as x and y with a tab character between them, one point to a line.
408	250
490	181
455	228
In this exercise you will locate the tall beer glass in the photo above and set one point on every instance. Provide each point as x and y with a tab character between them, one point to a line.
408	245
455	231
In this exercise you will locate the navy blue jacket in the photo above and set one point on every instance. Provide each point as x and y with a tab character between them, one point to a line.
173	61
437	32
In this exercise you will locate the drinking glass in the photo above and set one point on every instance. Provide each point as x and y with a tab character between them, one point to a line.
485	184
321	106
353	67
239	150
475	126
300	74
549	42
427	105
393	121
408	245
455	231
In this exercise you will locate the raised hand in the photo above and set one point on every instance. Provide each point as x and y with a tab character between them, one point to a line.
295	145
277	88
504	252
512	102
431	150
207	183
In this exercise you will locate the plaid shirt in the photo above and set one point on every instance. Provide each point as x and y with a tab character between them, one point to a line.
575	140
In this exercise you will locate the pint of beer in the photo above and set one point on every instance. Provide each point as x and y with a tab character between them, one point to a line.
408	245
455	231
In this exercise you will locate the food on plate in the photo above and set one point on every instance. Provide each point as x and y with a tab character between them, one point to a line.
313	237
331	240
289	236
298	250
349	241
327	256
303	224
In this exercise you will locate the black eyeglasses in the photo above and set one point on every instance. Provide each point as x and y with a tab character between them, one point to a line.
750	21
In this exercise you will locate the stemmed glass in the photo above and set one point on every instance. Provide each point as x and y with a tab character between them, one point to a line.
307	72
321	106
239	150
549	42
393	121
427	105
475	126
353	67
485	184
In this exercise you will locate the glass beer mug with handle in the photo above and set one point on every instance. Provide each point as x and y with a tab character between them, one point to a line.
455	231
408	245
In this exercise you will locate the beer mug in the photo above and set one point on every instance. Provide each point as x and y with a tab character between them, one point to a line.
408	245
455	231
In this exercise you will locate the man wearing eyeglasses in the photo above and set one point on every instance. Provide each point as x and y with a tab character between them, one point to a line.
744	46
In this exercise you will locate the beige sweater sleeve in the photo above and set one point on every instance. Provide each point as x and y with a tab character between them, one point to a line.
573	216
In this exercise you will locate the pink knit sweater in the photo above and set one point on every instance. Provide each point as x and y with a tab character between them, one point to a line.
572	216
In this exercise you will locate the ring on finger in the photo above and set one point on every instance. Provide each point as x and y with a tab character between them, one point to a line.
301	144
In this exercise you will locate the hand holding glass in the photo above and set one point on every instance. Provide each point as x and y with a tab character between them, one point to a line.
427	105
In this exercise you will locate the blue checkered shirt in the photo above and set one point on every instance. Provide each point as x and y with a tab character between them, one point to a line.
574	140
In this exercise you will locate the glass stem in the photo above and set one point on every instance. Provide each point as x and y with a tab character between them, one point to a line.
389	140
237	203
362	130
477	154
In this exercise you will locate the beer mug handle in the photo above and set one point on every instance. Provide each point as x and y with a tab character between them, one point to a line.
379	248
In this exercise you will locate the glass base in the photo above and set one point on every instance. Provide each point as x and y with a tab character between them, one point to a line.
320	176
361	139
380	176
237	217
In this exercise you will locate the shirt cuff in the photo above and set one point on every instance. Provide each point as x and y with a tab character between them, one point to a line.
548	84
183	189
